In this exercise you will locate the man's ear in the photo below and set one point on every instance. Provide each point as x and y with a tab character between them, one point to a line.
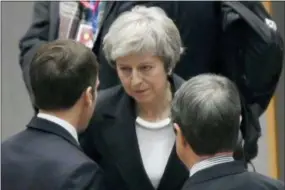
176	128
89	96
179	134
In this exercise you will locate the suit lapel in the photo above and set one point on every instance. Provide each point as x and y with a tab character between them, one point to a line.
174	165
175	173
109	6
97	44
121	140
50	127
54	20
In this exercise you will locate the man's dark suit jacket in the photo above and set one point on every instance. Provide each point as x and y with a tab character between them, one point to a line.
230	176
198	23
112	142
46	157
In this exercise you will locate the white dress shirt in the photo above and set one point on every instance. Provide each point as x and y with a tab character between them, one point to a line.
207	163
64	124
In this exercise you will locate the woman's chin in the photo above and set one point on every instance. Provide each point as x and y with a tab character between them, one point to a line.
143	99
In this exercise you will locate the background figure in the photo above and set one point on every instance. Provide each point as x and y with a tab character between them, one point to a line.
206	114
79	20
46	155
131	135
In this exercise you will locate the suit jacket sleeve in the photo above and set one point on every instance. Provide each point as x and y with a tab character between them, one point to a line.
85	177
36	35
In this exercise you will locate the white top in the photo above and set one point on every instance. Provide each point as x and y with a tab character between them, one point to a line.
207	163
64	124
156	140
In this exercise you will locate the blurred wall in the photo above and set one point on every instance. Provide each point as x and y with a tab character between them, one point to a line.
16	109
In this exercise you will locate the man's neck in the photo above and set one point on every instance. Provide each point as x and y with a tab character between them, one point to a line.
67	116
60	121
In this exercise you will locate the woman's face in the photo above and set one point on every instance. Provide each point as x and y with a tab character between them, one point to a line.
143	76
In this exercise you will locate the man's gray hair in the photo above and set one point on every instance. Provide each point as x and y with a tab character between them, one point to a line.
143	30
205	95
207	108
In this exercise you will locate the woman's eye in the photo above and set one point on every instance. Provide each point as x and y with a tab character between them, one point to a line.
146	68
125	69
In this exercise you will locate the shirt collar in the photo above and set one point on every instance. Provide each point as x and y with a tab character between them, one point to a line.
64	124
210	162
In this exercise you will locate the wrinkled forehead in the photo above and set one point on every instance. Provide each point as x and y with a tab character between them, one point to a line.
138	59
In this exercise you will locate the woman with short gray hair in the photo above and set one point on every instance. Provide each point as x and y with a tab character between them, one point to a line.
131	135
144	30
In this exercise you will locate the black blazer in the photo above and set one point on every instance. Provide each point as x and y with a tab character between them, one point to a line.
46	157
112	142
231	176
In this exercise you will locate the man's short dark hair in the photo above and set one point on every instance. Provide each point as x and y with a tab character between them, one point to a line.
60	71
207	108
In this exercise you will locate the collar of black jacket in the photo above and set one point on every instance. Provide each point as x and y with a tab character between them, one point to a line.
53	128
216	171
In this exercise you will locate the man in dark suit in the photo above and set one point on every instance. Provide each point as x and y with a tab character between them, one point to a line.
47	154
206	113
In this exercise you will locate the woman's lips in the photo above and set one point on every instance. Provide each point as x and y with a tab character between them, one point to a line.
139	92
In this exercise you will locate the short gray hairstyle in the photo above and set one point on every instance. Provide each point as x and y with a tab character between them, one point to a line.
207	107
143	30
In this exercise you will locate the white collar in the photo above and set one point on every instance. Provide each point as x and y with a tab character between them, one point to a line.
207	163
153	125
64	124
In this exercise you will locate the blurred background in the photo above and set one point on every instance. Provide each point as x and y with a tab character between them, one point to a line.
16	110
